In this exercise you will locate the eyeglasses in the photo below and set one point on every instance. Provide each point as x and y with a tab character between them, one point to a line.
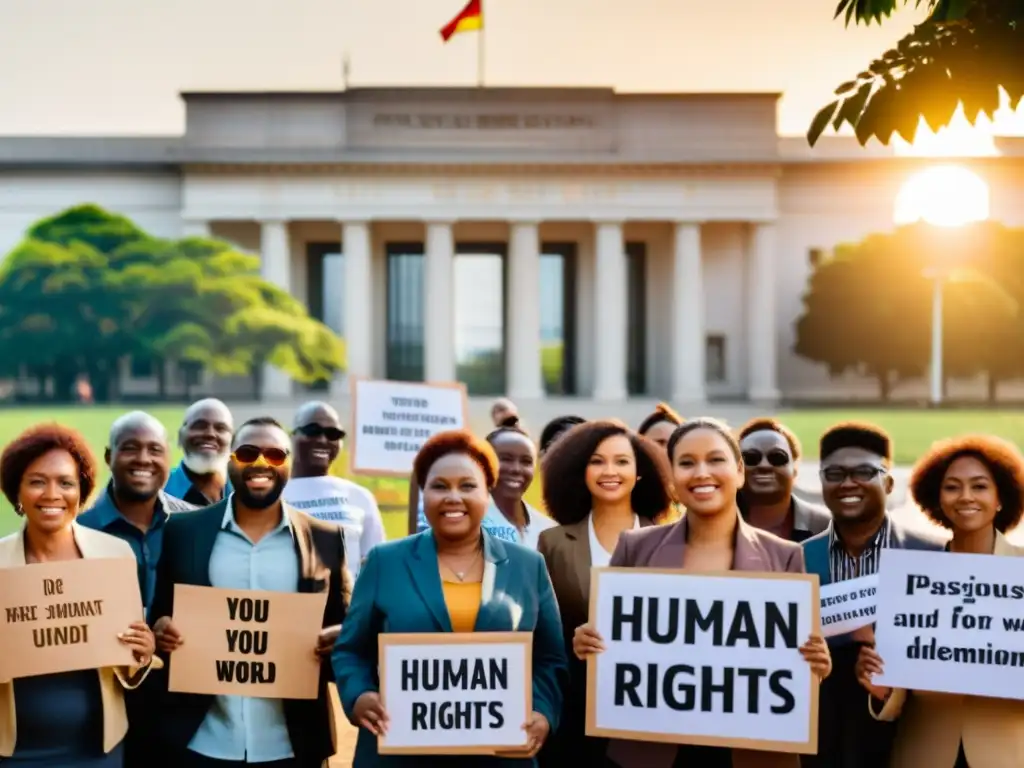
315	430
250	454
776	457
864	473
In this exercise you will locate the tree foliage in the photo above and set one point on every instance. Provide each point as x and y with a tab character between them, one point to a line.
868	308
964	53
86	288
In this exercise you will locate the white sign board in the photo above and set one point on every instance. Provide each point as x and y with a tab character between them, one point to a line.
455	694
951	623
392	419
848	605
706	659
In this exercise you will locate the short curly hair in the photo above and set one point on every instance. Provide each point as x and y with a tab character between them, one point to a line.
768	424
564	469
662	413
1002	459
555	429
37	441
456	441
856	434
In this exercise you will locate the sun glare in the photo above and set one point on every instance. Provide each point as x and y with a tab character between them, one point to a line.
943	195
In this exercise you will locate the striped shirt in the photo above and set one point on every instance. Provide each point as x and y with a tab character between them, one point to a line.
843	566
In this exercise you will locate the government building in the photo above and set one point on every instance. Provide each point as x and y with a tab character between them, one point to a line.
540	243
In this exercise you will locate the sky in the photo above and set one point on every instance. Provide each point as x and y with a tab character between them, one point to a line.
91	67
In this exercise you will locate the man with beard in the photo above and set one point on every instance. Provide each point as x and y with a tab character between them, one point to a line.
771	453
134	508
205	440
316	442
251	540
855	485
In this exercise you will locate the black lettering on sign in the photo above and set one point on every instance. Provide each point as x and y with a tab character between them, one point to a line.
247	641
21	614
246	672
247	609
455	674
76	634
77	610
457	715
683	688
53	586
770	629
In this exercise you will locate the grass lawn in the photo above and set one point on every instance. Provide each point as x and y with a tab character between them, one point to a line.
912	431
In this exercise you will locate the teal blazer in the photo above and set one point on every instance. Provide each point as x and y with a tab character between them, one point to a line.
399	590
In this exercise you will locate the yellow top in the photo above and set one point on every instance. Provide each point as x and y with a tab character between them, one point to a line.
463	601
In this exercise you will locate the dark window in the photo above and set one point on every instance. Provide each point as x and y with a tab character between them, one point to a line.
636	318
558	317
404	356
480	311
714	358
143	367
325	290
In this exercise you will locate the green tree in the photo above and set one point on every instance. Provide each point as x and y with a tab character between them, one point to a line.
965	52
87	288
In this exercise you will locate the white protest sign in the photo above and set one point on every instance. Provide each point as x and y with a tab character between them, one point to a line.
392	419
706	659
848	605
951	623
455	693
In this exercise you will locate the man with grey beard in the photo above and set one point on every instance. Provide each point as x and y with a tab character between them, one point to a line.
205	440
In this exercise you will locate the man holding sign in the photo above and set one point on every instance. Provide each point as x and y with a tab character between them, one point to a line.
248	543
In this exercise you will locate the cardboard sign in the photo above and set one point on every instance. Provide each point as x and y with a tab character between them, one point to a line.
455	694
392	419
951	623
709	659
65	616
848	605
247	642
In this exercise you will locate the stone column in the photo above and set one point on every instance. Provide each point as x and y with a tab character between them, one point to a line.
525	378
688	329
439	303
276	267
762	381
357	259
611	294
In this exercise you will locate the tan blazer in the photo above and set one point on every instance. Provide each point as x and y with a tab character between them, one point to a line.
932	725
663	547
92	544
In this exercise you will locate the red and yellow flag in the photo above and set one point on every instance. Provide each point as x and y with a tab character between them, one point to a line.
470	19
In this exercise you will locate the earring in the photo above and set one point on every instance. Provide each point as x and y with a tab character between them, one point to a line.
20	510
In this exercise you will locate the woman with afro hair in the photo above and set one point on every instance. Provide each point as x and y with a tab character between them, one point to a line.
974	487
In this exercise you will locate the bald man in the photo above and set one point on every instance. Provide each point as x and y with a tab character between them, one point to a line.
205	442
317	439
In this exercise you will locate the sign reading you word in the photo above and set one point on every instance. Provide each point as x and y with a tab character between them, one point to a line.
708	659
247	642
392	419
455	694
951	623
848	605
66	616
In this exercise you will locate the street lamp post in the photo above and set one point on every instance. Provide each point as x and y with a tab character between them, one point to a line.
936	367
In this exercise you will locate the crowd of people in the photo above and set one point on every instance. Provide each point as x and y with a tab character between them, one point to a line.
254	507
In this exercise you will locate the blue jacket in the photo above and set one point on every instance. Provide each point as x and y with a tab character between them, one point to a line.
399	590
179	485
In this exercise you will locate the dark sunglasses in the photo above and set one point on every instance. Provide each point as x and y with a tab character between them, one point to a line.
250	454
315	430
776	457
865	473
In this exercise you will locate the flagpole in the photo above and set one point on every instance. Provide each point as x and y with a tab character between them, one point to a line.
480	50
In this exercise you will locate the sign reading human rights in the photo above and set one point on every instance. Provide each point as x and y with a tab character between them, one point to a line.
247	642
848	605
951	623
710	659
392	419
67	615
455	694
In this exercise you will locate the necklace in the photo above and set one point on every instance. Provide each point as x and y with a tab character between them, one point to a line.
461	575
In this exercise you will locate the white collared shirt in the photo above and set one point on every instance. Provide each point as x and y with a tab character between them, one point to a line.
599	556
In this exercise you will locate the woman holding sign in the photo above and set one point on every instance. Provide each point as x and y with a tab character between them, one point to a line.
69	719
973	486
453	577
708	471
